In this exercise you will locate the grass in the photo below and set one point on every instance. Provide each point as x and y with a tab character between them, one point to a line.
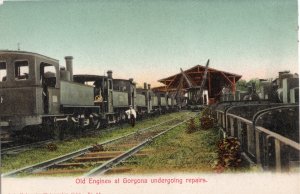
37	155
178	151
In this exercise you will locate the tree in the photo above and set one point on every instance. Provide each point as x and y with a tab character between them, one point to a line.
242	84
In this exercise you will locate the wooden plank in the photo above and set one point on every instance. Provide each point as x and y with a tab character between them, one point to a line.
60	171
91	158
209	84
239	127
104	157
231	127
233	85
278	155
257	148
104	153
249	139
73	164
118	170
226	77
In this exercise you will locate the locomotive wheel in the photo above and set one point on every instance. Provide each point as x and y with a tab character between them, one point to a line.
31	134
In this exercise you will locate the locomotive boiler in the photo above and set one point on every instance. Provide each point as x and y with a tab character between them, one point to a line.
35	91
37	94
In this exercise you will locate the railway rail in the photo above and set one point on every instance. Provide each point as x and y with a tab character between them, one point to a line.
22	148
93	159
10	148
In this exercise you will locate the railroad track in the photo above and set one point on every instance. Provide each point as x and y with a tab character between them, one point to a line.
101	157
12	150
23	148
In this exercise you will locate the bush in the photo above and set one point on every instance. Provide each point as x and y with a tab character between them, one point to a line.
206	122
229	154
51	147
191	127
97	148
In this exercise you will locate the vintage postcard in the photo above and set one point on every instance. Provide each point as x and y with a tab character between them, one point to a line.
136	96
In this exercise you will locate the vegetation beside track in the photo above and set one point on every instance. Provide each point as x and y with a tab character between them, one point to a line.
30	157
179	151
190	148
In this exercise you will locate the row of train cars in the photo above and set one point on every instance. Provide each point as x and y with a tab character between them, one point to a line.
35	91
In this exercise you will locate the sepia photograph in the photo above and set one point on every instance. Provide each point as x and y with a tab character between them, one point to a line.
160	96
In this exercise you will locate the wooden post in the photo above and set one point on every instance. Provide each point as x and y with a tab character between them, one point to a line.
209	85
278	155
248	138
239	128
233	85
257	148
231	127
223	121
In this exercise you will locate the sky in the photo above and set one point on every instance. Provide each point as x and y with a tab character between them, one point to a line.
151	40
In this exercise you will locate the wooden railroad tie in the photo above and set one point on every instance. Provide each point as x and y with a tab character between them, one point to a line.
62	171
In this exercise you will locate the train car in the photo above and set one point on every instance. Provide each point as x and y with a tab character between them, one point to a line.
37	94
172	102
34	91
124	95
112	96
284	89
143	101
159	102
102	95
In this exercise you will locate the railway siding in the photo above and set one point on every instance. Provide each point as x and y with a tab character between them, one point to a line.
12	162
176	151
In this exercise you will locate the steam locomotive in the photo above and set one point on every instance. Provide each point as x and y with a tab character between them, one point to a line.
35	92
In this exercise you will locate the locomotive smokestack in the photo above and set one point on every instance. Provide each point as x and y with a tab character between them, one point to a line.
131	80
149	86
145	85
109	74
69	66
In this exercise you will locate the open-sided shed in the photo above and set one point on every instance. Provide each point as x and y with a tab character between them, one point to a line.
216	81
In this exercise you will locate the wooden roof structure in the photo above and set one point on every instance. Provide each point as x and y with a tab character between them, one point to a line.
216	80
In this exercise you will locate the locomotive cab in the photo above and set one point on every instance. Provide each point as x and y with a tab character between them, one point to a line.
28	82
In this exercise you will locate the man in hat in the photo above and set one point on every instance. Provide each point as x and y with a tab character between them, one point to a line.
131	115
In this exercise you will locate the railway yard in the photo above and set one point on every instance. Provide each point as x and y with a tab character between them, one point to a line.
70	125
143	149
136	97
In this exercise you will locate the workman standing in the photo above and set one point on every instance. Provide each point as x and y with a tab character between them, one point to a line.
131	115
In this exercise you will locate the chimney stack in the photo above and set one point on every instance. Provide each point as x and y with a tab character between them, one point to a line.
69	66
109	74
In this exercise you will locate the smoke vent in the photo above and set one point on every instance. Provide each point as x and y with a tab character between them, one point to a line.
109	74
69	66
